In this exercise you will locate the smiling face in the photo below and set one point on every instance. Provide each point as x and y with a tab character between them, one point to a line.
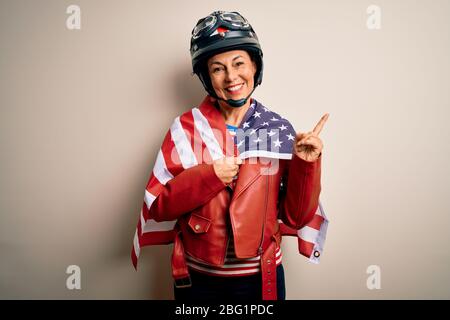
232	74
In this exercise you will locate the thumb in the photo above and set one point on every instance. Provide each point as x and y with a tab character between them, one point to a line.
238	160
302	135
299	136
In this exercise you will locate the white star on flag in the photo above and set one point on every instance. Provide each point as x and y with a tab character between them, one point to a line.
283	127
278	143
271	133
253	131
265	124
246	124
290	137
257	114
257	140
274	119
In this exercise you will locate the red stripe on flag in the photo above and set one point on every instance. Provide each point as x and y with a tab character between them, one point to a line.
154	186
145	211
287	231
134	258
157	237
305	248
316	222
139	231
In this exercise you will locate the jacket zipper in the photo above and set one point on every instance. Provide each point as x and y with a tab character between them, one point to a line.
226	249
260	249
229	228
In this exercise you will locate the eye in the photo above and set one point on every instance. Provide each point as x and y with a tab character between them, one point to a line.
239	63
216	70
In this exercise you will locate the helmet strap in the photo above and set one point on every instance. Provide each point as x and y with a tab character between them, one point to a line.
236	103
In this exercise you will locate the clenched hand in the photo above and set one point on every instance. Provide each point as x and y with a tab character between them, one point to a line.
226	168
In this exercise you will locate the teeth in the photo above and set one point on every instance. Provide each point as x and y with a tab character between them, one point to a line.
235	88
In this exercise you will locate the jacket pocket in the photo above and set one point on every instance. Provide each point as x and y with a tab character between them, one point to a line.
199	224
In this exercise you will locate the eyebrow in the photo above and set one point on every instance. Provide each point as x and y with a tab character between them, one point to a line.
217	62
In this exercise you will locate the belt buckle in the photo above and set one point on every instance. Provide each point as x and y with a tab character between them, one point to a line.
183	282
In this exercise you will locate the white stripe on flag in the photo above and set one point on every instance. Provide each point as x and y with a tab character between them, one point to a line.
153	226
308	234
320	211
137	247
203	127
160	170
323	228
142	222
148	198
278	260
320	241
182	144
264	153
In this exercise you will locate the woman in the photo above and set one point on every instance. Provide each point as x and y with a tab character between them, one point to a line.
227	172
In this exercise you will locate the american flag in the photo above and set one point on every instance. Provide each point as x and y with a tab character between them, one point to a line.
200	136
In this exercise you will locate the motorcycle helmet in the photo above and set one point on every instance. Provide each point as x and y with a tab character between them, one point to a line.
223	31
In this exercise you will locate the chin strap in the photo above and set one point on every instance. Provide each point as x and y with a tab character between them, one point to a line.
235	103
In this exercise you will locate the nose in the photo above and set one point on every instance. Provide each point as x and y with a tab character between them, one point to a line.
231	75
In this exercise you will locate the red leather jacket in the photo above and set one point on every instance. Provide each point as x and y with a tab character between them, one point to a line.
201	202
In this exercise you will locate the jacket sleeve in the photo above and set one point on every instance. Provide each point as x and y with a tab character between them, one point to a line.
188	190
299	202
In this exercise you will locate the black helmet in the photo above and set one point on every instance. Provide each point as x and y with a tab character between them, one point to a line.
219	32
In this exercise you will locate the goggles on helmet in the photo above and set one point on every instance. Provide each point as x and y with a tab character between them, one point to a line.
232	20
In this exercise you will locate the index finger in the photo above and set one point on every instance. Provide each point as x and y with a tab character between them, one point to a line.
320	124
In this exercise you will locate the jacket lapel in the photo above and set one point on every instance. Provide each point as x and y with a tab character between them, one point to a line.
249	172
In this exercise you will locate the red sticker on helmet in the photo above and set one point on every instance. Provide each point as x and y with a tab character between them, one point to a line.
220	29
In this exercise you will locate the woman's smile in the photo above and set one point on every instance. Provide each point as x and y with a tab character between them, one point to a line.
235	89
